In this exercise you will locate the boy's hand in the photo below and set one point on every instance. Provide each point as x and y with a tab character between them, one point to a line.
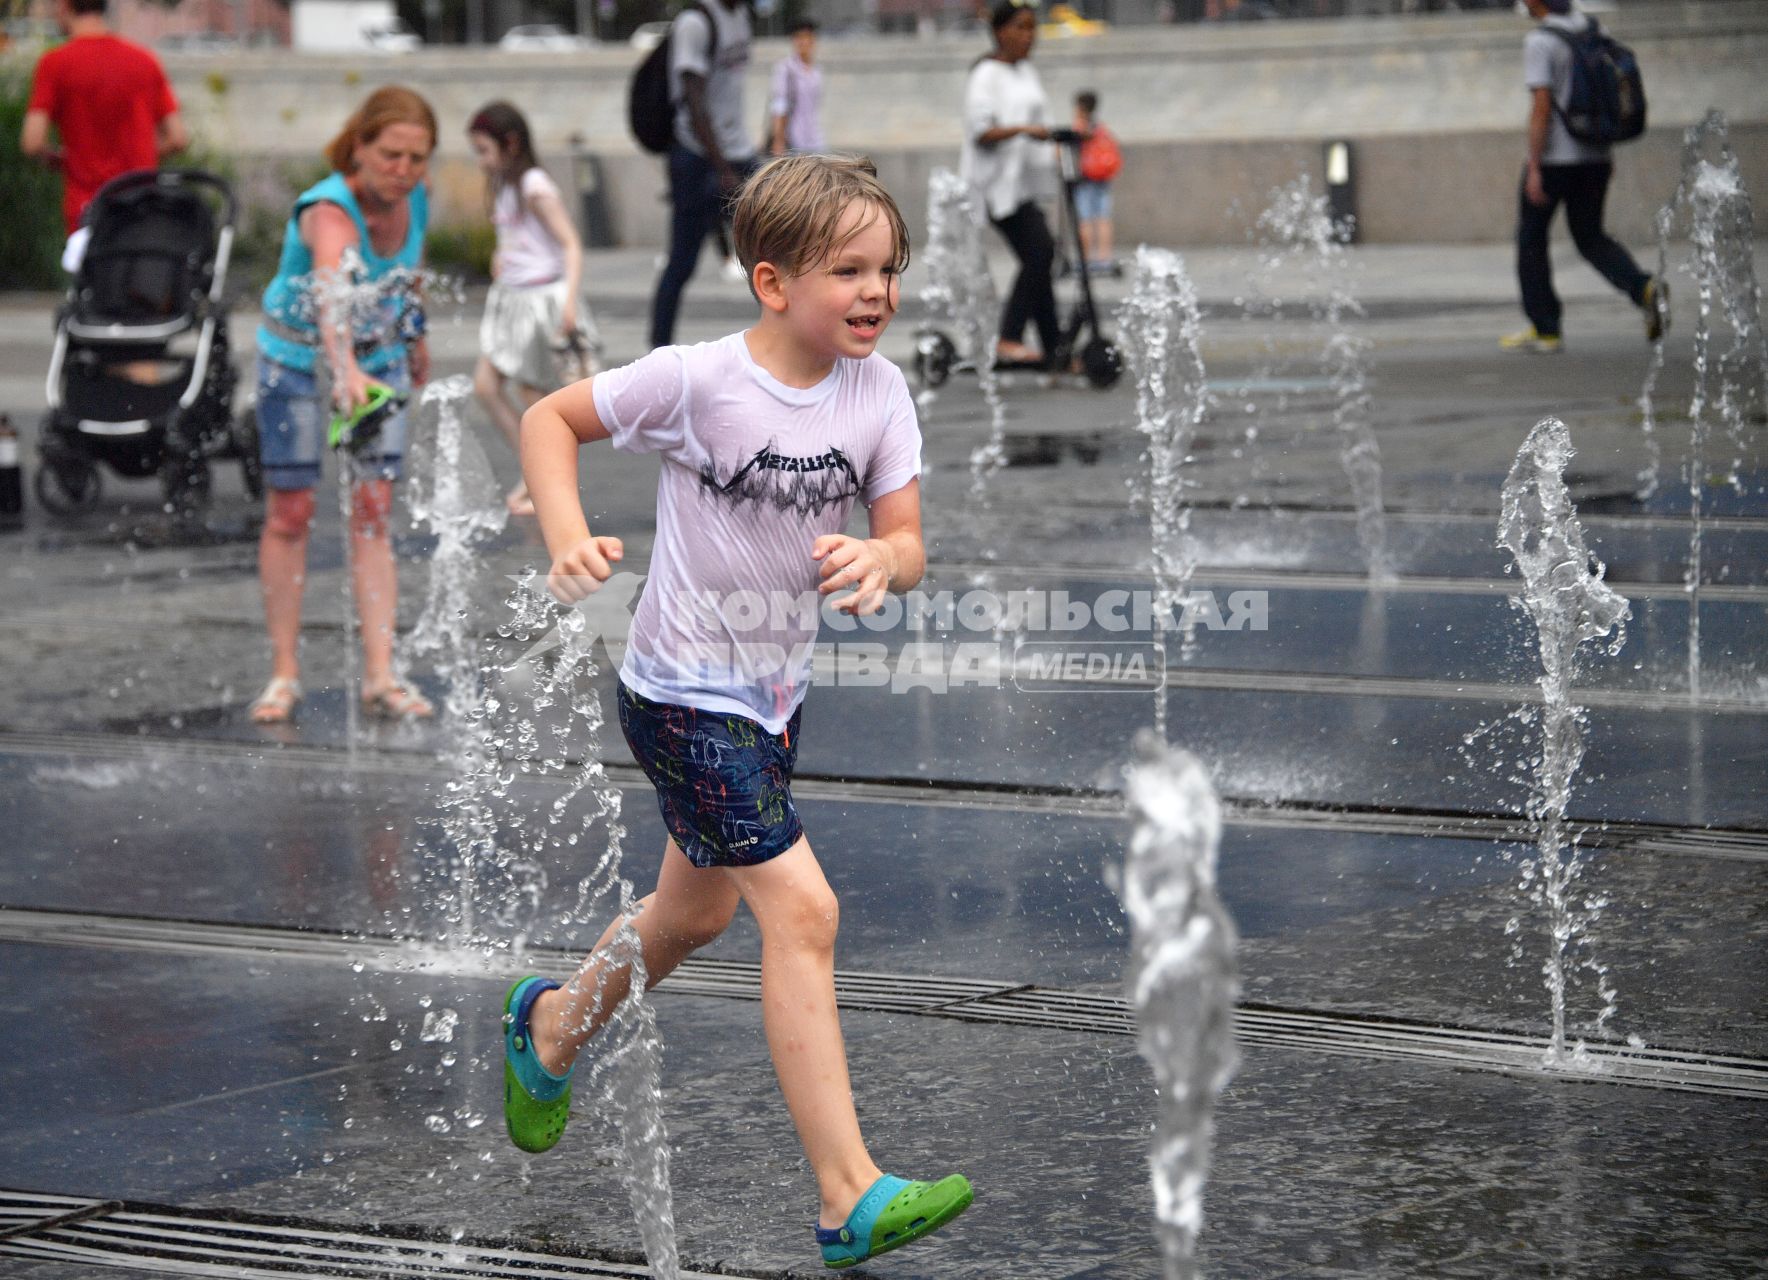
860	567
581	569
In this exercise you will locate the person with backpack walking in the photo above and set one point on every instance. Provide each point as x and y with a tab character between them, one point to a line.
694	82
1584	96
534	333
1100	162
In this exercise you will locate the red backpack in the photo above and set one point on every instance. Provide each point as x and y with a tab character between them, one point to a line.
1100	159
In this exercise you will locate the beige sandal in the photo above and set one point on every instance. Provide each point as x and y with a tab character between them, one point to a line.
396	702
276	705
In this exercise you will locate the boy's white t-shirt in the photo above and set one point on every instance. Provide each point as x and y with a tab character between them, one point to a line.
527	253
753	473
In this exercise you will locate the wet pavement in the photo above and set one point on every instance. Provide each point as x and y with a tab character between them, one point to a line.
222	943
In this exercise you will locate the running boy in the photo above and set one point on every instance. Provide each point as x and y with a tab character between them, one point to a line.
767	436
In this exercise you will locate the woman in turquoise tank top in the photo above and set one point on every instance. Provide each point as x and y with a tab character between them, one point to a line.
362	225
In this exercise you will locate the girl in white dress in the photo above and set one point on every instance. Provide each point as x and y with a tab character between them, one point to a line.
536	333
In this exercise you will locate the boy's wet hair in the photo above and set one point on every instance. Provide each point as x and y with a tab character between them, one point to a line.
789	213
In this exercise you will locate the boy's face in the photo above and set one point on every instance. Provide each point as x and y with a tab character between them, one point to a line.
840	306
804	45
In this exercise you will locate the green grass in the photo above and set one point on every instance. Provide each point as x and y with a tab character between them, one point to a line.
31	233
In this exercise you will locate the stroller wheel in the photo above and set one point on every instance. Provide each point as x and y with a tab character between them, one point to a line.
184	479
245	445
1102	362
67	488
935	354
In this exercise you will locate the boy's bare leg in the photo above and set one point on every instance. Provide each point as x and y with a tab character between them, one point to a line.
1102	239
689	908
798	915
1087	231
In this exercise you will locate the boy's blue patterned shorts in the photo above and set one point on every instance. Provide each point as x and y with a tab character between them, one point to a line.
724	783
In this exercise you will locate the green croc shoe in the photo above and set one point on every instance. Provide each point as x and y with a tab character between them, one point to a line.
892	1213
536	1103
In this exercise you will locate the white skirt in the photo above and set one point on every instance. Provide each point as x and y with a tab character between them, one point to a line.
520	336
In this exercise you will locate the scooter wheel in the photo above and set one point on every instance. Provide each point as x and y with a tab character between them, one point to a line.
1102	363
935	355
68	488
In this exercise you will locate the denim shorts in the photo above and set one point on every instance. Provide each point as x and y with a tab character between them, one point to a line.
293	413
1092	200
724	783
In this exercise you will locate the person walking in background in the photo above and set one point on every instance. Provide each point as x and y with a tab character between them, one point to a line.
795	103
713	150
111	103
375	208
533	314
1100	162
1562	169
1006	158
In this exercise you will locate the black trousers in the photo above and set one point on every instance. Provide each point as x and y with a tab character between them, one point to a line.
697	209
1582	188
1034	294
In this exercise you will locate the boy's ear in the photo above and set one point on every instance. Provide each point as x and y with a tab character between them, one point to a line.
769	286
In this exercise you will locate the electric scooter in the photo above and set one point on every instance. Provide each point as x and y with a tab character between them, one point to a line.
937	357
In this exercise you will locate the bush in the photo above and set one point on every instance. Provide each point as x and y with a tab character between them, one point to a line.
32	232
463	250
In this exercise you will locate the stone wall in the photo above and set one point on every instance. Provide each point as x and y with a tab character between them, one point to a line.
1212	117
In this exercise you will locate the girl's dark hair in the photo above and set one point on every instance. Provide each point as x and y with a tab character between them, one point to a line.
1005	11
508	128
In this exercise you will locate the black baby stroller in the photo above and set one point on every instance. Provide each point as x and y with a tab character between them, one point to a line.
141	378
937	356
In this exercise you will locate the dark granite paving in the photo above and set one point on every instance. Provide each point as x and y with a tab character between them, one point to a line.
302	1089
281	1081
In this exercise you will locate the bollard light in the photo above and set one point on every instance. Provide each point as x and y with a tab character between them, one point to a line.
597	220
1341	190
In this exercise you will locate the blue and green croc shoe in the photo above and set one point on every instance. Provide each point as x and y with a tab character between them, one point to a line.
536	1103
892	1213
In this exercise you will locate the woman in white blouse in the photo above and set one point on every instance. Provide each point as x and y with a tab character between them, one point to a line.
1006	157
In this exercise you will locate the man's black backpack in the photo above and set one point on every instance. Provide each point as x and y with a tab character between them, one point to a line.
649	108
1607	100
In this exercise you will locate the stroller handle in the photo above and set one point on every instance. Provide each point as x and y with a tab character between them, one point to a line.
176	178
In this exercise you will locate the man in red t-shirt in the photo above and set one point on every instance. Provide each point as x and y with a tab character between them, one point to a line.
110	101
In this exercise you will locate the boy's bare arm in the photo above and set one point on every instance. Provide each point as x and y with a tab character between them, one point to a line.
552	432
892	559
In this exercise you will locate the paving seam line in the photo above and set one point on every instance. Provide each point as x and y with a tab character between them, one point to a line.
1740	844
1320	1031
